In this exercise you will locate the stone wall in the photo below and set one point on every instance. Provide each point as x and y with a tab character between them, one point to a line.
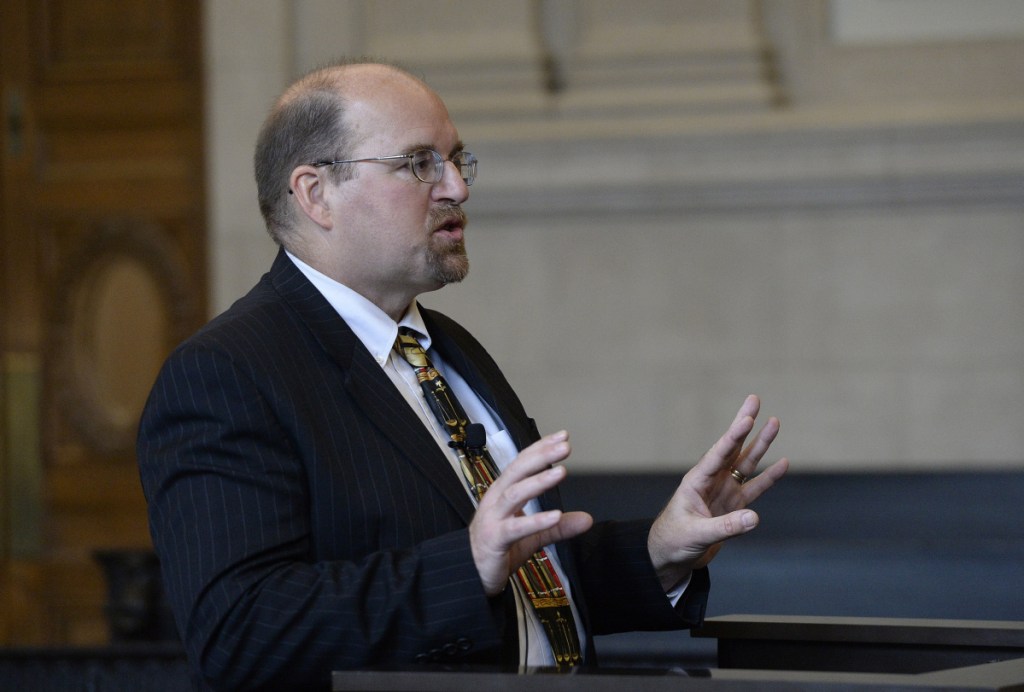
684	202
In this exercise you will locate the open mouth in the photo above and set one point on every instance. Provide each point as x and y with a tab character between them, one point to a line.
451	224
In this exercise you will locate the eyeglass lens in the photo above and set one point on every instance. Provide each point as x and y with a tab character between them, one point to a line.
428	166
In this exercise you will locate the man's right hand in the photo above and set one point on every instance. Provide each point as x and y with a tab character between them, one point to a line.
500	535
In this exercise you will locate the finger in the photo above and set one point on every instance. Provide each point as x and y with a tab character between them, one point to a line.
526	533
750	407
742	424
727	448
569	525
752	455
506	500
526	529
727	526
530	475
756	486
546	451
492	538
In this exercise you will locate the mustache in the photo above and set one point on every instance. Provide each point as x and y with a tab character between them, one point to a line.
448	214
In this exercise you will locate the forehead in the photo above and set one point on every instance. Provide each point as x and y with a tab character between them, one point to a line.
399	111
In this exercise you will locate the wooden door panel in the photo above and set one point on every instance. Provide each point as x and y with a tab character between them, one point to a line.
121	298
110	39
103	254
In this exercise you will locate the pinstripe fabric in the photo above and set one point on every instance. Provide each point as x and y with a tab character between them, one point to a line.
305	519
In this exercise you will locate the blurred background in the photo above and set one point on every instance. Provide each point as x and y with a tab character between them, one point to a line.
680	202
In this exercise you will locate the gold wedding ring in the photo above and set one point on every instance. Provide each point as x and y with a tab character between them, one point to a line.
740	478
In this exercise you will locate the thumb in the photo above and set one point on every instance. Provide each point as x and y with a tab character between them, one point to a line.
735	523
727	526
712	531
570	525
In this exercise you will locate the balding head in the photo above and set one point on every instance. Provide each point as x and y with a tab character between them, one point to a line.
308	123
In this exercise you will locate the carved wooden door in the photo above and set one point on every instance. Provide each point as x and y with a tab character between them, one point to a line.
102	271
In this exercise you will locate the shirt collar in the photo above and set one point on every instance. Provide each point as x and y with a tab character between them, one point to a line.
371	325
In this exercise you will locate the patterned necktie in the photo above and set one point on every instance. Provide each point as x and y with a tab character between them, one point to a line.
537	576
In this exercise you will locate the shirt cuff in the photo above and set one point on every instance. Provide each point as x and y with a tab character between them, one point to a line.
678	590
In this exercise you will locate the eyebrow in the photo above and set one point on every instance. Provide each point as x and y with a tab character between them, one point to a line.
459	146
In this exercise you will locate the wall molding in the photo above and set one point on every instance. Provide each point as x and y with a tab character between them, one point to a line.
765	168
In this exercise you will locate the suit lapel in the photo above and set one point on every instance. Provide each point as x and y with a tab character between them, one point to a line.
368	385
482	374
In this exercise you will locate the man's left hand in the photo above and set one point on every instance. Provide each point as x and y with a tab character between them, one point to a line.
710	504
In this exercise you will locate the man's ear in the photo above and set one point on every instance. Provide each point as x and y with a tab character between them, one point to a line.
308	188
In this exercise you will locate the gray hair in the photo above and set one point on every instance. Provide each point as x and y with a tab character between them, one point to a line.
307	124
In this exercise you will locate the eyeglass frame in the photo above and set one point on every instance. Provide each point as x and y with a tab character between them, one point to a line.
439	162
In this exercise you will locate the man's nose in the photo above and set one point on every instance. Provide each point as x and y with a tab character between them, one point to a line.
451	186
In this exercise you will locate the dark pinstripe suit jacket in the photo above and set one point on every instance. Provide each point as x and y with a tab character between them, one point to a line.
306	521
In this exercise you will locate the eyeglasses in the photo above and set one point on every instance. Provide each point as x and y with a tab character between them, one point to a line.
426	164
